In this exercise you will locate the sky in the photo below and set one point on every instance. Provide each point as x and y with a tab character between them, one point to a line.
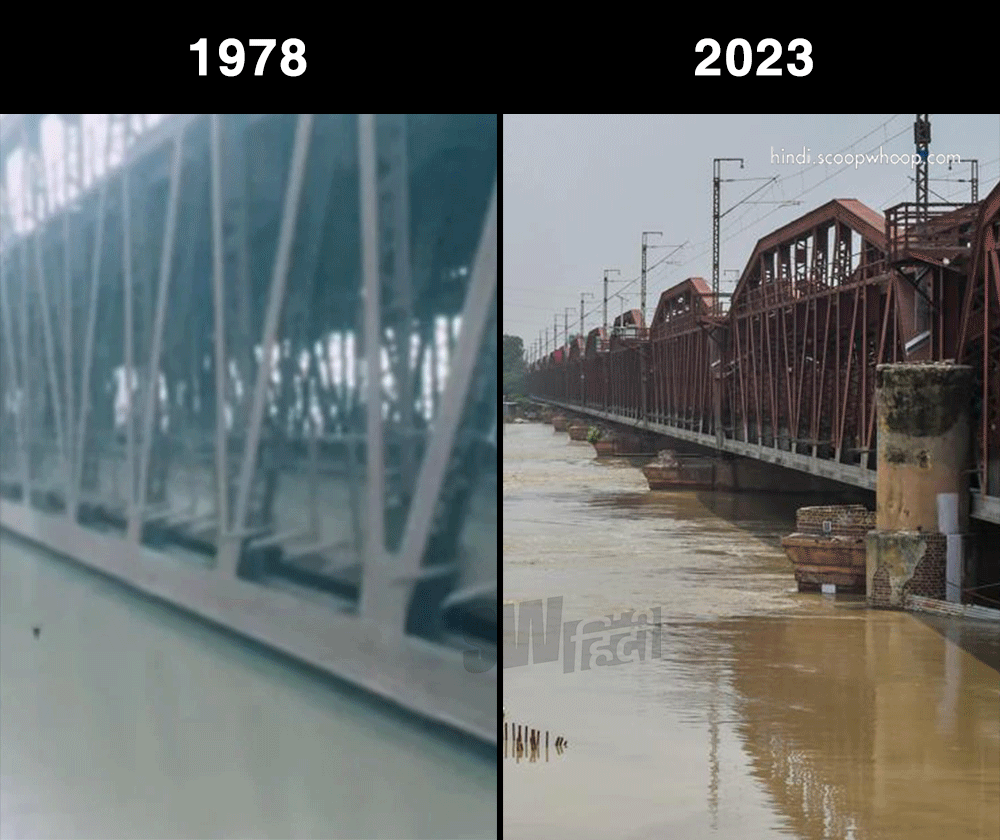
579	190
57	141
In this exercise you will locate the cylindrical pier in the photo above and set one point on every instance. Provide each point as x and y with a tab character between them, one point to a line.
923	443
922	494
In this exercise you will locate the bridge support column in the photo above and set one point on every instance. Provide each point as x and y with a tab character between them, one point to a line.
922	495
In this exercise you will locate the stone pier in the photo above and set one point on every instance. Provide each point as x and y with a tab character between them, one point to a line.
922	495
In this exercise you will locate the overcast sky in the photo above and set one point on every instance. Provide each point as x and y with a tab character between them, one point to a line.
579	190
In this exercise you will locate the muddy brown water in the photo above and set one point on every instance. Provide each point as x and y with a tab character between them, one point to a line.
768	712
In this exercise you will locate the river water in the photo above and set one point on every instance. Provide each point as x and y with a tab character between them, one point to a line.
764	713
127	719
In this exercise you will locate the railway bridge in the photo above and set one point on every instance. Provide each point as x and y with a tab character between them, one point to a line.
786	373
248	368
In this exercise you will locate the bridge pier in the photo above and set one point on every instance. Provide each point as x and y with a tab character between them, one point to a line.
730	473
921	540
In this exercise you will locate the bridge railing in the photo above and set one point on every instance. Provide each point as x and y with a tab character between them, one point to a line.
941	231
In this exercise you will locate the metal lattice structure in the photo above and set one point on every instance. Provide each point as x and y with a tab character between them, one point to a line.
979	339
251	370
787	374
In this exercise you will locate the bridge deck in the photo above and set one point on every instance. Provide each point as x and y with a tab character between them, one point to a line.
982	507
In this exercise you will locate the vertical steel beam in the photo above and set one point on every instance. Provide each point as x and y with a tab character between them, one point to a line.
49	343
229	549
27	402
391	138
15	378
45	311
373	583
240	190
88	350
68	358
345	410
221	368
88	346
152	390
127	332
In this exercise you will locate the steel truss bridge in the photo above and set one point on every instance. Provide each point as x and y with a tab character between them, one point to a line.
251	370
787	374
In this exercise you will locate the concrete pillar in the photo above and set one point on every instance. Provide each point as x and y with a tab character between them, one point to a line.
922	493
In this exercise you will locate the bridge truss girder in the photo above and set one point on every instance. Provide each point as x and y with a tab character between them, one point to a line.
789	371
202	272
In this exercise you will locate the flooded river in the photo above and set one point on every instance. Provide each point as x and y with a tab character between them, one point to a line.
757	711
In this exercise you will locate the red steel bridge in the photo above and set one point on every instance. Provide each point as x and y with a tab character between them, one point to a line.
787	374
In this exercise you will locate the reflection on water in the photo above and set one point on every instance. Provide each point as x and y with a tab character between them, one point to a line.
522	742
768	712
125	719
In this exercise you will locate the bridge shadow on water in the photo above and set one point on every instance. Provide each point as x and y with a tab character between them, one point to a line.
766	516
979	639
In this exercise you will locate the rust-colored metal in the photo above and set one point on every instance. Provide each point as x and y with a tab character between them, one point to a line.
979	340
821	302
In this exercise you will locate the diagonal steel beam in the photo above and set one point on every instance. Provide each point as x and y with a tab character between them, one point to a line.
229	547
88	347
475	316
152	390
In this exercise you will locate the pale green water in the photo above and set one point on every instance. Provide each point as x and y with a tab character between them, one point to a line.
126	719
769	713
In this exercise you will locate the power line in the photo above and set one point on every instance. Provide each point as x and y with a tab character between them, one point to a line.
666	271
779	181
799	195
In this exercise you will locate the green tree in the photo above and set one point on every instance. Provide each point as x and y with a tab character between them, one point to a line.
513	365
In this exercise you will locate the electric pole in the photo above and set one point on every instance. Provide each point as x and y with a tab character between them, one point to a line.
716	222
607	271
555	331
621	314
730	294
922	139
582	296
974	178
566	312
642	294
717	215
